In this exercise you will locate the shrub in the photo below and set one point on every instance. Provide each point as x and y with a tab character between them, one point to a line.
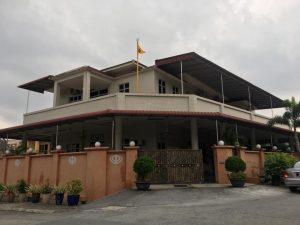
46	188
74	187
235	164
1	188
34	188
10	189
21	186
143	166
59	189
277	163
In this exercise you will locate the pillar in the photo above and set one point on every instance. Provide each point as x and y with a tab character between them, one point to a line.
118	133
86	86
194	134
24	142
253	138
131	156
56	94
221	153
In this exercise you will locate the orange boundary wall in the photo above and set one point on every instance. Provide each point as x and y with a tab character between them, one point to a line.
254	161
102	171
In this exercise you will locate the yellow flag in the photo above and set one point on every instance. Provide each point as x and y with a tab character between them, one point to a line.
139	49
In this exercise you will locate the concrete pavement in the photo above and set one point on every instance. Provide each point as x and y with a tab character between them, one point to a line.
205	205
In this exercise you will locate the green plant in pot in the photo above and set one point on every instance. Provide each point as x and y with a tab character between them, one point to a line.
276	164
143	166
1	191
46	190
59	192
74	188
10	192
35	191
21	188
236	166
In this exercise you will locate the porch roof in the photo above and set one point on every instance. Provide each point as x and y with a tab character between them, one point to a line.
235	88
16	132
40	85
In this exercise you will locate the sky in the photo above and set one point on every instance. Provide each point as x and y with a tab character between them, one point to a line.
255	39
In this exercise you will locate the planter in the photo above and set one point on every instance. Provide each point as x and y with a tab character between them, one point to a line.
73	200
10	197
59	197
237	182
35	198
45	198
142	186
22	197
276	180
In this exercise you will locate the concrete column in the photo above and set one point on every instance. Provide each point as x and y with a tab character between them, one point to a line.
194	133
24	142
253	138
56	92
86	86
118	132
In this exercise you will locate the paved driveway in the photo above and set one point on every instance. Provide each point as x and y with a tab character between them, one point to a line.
251	205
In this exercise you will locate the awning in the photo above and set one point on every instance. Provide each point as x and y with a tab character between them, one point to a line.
17	131
235	88
40	85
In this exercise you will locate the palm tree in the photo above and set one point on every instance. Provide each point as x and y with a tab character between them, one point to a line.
291	118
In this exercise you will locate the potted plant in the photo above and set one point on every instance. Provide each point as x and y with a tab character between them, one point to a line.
59	192
143	166
74	188
21	188
276	164
1	191
236	166
35	190
46	190
10	192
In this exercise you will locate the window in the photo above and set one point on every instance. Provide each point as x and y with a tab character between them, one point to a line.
73	147
161	145
161	86
97	93
75	98
124	87
44	148
175	90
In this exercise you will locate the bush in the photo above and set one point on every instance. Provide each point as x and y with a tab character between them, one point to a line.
1	188
74	187
235	164
10	189
143	166
21	186
59	189
277	163
46	188
34	188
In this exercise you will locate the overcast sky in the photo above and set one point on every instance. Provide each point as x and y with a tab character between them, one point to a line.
257	40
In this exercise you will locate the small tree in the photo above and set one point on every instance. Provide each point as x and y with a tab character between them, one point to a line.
291	118
143	166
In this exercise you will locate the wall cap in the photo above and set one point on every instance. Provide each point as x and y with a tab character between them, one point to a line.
96	149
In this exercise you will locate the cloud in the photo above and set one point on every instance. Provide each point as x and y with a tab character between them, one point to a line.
257	40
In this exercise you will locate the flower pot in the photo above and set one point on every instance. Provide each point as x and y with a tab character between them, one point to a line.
10	197
22	197
59	197
73	200
45	198
35	198
142	185
237	182
276	180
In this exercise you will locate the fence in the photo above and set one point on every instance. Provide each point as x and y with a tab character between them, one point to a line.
254	160
101	170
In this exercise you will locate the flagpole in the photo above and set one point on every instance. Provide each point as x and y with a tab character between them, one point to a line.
137	67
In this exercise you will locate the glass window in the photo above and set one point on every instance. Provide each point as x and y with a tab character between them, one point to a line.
124	87
75	98
44	148
161	86
73	147
97	93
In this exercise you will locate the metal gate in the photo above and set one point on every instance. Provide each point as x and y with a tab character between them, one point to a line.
175	166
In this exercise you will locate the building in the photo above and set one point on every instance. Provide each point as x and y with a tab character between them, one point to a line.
185	102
